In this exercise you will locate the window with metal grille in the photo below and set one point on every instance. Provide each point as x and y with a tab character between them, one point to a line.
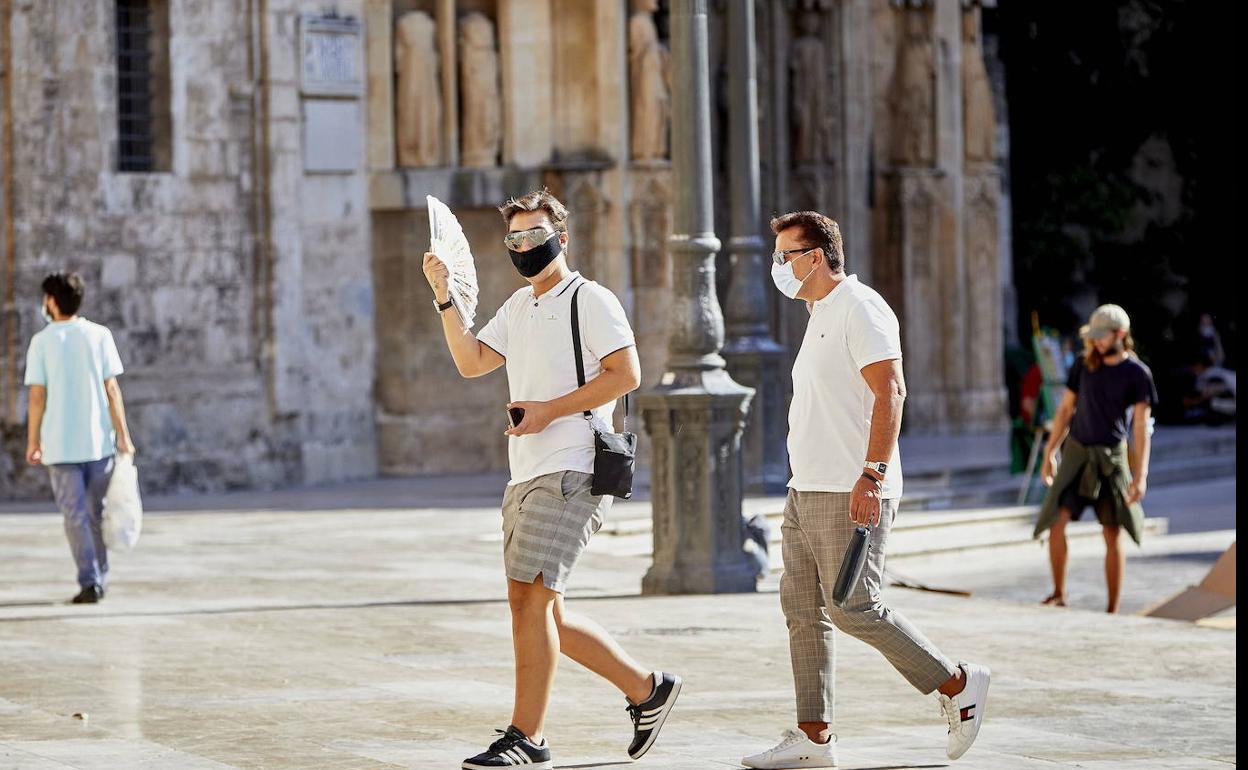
143	120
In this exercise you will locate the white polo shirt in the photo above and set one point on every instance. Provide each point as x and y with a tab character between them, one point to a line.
830	416
534	334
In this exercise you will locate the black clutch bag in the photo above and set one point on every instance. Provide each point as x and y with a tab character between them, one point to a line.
852	564
615	454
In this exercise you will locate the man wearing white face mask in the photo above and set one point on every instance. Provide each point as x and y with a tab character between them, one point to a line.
844	419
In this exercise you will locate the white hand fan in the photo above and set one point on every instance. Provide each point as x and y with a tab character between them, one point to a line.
447	241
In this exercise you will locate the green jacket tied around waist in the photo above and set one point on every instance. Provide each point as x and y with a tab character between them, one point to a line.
1089	467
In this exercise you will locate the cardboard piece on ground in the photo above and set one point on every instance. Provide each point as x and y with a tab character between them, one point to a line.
1221	577
1216	592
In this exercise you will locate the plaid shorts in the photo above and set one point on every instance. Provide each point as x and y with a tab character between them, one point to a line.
547	522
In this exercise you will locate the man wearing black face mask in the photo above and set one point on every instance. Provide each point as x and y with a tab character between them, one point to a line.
549	511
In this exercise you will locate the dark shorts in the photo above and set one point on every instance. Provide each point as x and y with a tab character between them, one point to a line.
1103	505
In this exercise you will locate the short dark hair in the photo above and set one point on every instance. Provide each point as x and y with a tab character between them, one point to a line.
67	289
538	200
817	231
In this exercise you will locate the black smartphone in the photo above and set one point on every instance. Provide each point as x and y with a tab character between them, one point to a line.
514	416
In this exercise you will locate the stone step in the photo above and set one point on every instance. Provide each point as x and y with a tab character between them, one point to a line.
1172	467
1176	469
931	534
915	534
1192	442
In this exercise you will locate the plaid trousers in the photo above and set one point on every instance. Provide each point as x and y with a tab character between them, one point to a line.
816	533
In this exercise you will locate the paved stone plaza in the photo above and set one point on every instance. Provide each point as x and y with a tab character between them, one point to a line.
360	633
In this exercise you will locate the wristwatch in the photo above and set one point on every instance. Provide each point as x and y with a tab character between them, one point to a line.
444	305
880	468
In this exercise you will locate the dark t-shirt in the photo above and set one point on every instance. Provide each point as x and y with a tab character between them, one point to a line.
1104	399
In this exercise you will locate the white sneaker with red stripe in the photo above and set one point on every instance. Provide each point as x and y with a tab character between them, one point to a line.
965	711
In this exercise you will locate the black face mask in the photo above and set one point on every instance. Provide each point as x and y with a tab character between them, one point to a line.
530	263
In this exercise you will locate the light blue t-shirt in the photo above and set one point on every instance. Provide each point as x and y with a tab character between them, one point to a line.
73	359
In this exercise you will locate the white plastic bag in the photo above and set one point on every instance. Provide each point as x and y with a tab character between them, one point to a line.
123	509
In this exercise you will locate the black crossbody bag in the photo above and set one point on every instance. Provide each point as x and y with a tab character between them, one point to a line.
615	454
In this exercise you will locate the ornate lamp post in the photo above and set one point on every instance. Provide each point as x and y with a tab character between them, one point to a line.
753	355
696	414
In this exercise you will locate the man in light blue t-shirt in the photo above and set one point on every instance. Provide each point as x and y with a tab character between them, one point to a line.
77	422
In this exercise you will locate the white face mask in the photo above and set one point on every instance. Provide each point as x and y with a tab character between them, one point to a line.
785	280
43	310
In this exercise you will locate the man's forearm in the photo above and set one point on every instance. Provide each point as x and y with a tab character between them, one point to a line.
463	344
117	411
34	423
1061	424
1143	446
885	427
603	389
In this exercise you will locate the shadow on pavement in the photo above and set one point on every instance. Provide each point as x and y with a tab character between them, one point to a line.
275	608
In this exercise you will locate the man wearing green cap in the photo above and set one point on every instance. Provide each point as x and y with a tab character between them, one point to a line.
1109	392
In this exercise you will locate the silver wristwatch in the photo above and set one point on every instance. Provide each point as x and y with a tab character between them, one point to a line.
880	468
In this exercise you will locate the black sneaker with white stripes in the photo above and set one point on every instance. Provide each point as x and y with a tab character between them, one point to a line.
649	716
513	749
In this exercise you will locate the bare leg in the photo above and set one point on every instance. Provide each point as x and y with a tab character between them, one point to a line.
1115	565
1057	558
536	641
589	644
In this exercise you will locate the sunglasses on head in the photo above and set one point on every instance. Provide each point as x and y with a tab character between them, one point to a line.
528	239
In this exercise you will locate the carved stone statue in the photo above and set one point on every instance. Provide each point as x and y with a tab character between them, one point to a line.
418	94
977	113
481	125
814	116
913	137
649	83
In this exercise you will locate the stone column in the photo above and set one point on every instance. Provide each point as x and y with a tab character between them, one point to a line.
526	55
753	355
450	81
952	279
696	413
379	32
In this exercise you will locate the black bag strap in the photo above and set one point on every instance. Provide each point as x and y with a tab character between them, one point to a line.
576	346
580	361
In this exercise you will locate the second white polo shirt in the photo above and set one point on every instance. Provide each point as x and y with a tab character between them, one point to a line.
830	416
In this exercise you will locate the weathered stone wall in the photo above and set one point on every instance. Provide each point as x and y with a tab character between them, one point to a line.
430	419
246	366
275	322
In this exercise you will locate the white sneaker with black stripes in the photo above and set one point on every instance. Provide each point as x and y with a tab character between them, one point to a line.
648	716
965	711
513	749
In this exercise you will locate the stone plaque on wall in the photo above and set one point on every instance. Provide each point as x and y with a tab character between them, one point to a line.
331	81
331	59
331	135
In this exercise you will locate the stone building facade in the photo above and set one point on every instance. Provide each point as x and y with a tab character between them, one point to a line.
236	280
263	280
